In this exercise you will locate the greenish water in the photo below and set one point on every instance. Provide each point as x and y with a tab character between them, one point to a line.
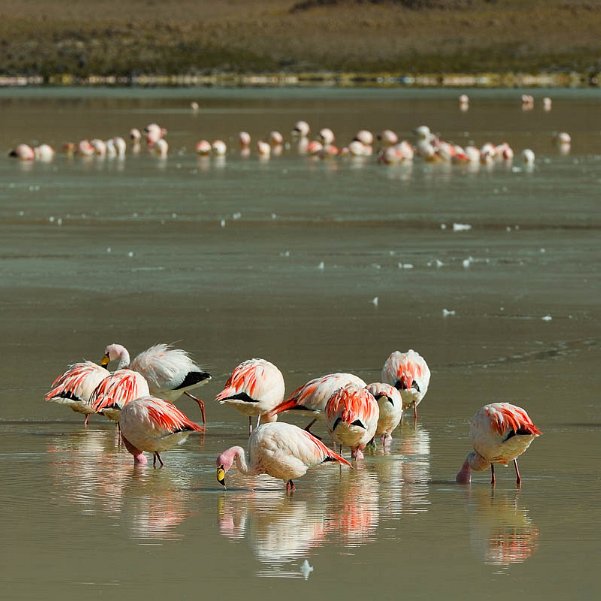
223	257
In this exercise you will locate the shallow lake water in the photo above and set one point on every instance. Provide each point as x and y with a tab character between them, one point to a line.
283	259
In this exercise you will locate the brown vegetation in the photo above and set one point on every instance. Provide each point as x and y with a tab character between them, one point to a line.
107	37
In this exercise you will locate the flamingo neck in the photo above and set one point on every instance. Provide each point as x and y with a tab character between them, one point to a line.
139	457
124	359
235	455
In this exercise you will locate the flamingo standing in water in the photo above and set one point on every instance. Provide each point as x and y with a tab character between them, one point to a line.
409	373
311	398
390	404
255	387
500	433
116	390
169	372
75	387
280	450
352	417
154	425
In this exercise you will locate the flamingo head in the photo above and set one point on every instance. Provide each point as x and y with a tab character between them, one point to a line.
224	463
474	461
139	457
113	352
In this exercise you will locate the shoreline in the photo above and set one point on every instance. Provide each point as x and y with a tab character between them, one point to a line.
315	79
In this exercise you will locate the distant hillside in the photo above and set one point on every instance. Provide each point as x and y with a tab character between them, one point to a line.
110	37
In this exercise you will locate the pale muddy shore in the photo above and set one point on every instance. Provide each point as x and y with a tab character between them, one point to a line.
282	259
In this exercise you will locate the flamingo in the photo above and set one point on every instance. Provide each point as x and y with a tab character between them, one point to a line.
244	139
219	148
409	373
352	417
311	398
44	153
280	450
116	390
500	433
255	387
301	129
154	425
203	148
24	152
75	387
390	404
170	372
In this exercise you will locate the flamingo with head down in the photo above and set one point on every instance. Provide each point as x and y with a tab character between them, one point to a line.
410	375
255	387
311	398
281	450
154	425
75	387
500	433
352	417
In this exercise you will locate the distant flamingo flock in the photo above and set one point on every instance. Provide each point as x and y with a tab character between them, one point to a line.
140	394
385	146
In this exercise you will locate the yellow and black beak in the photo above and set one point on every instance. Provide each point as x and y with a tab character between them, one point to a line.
105	361
221	475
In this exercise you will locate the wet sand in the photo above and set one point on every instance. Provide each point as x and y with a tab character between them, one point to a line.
140	256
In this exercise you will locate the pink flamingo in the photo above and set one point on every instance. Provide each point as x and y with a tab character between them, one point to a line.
280	450
154	425
23	152
409	373
170	372
352	418
255	387
116	390
390	404
500	433
311	398
75	387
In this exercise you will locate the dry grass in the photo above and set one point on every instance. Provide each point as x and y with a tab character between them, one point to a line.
108	37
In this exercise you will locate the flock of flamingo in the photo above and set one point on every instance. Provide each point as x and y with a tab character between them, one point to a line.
386	145
140	393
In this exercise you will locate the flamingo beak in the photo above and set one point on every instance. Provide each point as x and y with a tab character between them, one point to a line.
105	361
221	475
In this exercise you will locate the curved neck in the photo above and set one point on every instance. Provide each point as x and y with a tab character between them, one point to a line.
235	455
124	359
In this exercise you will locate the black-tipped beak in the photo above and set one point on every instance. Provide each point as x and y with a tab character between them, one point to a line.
221	475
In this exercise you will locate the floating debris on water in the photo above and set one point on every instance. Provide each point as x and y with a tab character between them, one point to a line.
461	227
306	569
448	312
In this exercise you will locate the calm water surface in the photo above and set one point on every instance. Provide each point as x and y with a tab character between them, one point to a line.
282	260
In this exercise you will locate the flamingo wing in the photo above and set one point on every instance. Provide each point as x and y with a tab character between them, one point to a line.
78	382
168	417
118	389
509	420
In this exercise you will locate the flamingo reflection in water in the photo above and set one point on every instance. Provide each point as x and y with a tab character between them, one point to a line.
154	502
78	468
280	530
501	530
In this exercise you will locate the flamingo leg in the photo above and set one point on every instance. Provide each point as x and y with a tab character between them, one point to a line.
250	425
290	487
414	412
517	473
308	426
154	459
492	472
86	420
201	406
